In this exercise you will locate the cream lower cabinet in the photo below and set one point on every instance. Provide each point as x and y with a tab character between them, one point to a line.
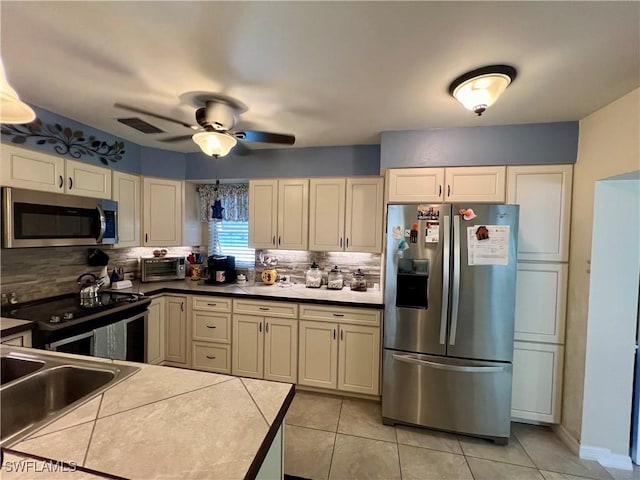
176	330
22	339
339	348
155	332
211	334
537	381
265	347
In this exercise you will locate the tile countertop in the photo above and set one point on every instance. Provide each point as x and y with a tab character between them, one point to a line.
297	293
9	326
165	422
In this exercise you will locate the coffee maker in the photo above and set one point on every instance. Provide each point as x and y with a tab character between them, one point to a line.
222	269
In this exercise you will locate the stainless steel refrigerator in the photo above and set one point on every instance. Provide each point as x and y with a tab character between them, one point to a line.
449	317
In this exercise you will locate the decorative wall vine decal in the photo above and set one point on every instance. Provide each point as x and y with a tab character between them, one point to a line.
67	141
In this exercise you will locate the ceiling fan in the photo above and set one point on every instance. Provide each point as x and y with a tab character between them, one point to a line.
215	122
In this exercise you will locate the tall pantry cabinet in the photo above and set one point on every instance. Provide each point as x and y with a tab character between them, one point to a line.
544	195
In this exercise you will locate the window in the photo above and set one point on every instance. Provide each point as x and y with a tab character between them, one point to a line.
231	238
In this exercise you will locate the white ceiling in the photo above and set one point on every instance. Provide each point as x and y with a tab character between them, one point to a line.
332	73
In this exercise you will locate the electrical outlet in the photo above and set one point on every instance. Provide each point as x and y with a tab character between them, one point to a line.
129	276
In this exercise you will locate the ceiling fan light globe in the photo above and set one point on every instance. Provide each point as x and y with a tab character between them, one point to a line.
482	91
214	143
12	109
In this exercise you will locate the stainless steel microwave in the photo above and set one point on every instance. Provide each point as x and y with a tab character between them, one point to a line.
43	219
158	269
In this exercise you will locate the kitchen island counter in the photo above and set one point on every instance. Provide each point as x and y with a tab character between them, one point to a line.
297	293
10	326
165	422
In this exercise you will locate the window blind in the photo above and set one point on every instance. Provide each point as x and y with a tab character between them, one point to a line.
231	238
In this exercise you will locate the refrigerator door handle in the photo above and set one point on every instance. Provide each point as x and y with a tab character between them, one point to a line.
446	252
412	359
455	297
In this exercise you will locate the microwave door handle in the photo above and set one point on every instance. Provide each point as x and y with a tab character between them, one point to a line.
103	224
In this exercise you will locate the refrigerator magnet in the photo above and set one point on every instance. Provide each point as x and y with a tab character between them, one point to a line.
413	234
396	233
428	212
467	213
432	234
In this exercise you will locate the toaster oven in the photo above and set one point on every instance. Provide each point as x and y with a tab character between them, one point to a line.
161	269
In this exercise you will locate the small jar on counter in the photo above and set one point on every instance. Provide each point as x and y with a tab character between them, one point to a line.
359	283
313	278
335	280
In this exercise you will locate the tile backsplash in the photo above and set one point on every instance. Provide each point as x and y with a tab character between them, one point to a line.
295	263
34	273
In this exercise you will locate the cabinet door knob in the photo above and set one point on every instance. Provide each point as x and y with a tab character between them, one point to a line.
341	241
146	237
211	357
211	326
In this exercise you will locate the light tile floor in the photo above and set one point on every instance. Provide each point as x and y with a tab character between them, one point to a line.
331	437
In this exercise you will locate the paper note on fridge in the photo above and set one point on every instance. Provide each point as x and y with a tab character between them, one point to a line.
488	245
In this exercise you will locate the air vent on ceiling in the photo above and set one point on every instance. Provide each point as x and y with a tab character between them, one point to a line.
140	125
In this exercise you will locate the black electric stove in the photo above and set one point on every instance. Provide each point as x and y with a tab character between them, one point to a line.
68	315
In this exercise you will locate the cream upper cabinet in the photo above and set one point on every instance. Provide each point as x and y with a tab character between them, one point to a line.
279	213
263	213
176	329
162	208
359	359
24	168
281	350
126	191
88	180
537	381
327	200
155	331
407	185
544	195
364	214
475	184
318	354
293	214
541	293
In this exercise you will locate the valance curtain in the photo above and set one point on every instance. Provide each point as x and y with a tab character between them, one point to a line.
234	199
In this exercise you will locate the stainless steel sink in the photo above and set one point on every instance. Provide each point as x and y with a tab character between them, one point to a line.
13	368
39	388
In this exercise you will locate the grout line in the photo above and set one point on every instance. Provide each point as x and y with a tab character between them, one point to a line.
515	437
466	460
398	450
95	420
311	428
163	399
335	438
33	437
255	403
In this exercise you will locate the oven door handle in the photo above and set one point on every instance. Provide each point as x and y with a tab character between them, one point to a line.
59	343
103	224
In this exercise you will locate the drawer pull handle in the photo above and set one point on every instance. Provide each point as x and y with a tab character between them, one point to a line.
211	357
264	309
338	314
211	326
212	304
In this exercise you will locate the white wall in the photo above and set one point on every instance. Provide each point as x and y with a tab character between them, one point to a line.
609	144
611	326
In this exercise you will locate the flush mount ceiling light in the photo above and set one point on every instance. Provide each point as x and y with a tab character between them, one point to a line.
215	144
479	89
12	109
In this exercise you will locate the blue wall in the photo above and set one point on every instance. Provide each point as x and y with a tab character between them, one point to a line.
527	144
289	162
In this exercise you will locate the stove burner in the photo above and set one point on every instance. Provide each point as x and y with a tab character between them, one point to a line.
67	315
54	319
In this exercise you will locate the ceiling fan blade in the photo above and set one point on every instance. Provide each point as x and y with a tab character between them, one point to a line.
155	115
179	138
264	137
